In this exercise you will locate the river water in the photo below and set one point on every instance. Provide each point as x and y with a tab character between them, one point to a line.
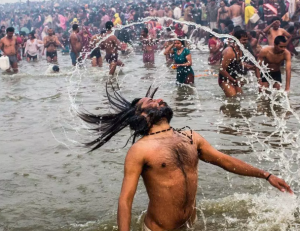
48	181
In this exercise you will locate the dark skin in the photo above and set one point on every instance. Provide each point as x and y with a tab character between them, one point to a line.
170	173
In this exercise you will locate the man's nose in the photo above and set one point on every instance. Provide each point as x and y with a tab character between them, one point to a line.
159	100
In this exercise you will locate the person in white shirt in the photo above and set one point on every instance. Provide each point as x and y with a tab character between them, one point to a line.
32	47
176	11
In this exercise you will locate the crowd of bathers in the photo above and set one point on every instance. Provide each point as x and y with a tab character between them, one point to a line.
39	28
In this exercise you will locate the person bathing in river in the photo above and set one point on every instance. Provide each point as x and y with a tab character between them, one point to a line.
252	36
149	45
215	46
32	47
166	158
76	44
274	30
9	47
51	42
182	62
232	65
274	56
111	45
96	53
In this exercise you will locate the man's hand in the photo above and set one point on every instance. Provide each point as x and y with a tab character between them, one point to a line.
280	184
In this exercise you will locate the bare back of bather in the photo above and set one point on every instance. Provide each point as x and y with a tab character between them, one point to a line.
235	10
170	175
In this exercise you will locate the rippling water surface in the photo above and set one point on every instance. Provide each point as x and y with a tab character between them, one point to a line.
49	182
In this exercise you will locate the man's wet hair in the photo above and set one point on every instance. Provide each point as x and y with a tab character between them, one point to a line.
237	28
55	68
280	39
145	30
230	27
75	26
10	29
109	25
275	19
32	34
240	34
126	114
253	33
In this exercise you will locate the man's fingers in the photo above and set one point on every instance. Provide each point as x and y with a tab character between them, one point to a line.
286	187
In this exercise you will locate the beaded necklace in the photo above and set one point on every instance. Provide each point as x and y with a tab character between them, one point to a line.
176	130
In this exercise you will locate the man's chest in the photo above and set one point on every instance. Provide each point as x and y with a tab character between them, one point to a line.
272	58
173	158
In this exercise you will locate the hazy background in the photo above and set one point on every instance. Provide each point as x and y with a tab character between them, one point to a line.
12	1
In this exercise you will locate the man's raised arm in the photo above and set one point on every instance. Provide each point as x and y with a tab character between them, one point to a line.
132	170
267	29
209	154
288	68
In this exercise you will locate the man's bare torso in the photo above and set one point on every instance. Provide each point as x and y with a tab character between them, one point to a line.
235	10
153	13
224	13
9	46
170	176
273	34
50	43
110	44
75	41
273	60
161	13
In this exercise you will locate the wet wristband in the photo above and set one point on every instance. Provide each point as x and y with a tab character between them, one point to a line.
268	177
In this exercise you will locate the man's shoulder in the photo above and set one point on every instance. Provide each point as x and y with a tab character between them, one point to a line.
139	147
287	54
266	49
282	30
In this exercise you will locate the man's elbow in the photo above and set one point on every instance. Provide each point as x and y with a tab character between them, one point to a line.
125	201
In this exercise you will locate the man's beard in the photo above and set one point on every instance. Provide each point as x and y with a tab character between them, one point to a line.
156	114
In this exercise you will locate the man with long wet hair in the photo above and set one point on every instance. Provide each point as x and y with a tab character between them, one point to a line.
166	158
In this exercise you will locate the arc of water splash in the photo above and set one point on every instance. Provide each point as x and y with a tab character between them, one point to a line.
262	67
72	97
